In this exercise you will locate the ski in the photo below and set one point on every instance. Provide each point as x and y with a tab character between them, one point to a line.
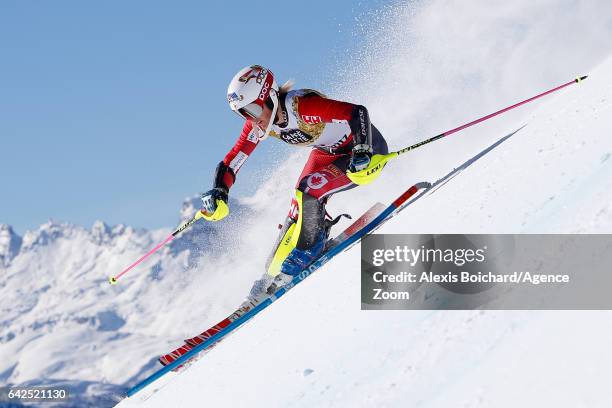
186	353
202	337
190	343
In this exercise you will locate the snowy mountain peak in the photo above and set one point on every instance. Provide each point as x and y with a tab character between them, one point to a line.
46	233
10	244
101	233
100	227
190	206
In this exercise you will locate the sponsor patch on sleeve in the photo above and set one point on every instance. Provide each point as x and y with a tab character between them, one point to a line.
252	136
238	161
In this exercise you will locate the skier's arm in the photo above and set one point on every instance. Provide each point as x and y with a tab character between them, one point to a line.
225	174
215	200
315	108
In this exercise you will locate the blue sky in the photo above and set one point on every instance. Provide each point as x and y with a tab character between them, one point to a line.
116	110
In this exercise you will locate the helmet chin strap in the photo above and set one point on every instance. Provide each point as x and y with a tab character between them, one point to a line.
275	102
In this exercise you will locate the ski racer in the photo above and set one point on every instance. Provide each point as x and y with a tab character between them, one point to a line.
342	141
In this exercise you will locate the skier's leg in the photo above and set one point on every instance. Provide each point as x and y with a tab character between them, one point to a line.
323	175
307	239
305	231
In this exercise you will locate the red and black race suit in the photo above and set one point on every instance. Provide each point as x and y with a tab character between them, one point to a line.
331	127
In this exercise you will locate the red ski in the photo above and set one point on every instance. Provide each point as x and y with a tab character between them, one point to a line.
166	359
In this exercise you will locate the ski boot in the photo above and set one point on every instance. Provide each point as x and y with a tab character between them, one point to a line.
300	259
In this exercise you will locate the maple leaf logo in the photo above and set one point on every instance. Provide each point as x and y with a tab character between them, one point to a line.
316	180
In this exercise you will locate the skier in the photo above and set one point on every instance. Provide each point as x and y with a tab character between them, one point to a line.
342	140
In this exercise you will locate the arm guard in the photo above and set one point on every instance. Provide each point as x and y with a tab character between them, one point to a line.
224	177
361	128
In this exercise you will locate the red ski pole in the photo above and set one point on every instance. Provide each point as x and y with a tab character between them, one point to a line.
380	160
199	214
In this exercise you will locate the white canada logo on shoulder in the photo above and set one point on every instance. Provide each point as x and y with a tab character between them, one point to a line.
316	181
311	119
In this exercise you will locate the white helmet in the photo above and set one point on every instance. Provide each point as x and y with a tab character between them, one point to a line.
252	88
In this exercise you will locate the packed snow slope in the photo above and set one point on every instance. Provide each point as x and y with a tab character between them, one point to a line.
424	67
315	347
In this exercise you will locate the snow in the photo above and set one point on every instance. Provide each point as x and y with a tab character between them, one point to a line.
62	323
315	347
10	244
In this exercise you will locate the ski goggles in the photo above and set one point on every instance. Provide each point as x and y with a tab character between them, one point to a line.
250	111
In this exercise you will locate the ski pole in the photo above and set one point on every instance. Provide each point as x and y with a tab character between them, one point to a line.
184	226
380	160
